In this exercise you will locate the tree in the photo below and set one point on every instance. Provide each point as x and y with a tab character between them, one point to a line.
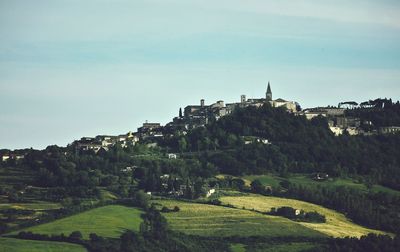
238	183
141	199
130	241
182	143
257	186
156	224
75	236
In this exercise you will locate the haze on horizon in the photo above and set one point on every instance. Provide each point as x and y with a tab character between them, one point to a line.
72	68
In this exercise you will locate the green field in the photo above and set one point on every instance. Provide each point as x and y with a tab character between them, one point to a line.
337	225
237	247
36	206
286	247
17	245
108	221
218	221
273	181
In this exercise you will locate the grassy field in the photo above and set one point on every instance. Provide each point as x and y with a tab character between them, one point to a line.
36	209
273	181
107	195
209	220
36	206
108	221
237	247
17	245
286	247
337	225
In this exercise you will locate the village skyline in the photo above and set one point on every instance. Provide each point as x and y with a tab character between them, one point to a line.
71	69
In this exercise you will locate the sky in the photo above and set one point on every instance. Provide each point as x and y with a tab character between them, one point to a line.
72	68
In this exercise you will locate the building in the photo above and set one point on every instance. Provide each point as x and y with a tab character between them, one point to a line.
5	157
202	114
268	95
389	130
104	142
150	130
12	156
259	102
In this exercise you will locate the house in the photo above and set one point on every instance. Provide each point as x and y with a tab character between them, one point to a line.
12	156
128	169
5	157
172	156
210	192
320	176
389	130
150	130
254	139
289	105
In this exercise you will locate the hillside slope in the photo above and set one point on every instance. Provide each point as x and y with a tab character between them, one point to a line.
337	225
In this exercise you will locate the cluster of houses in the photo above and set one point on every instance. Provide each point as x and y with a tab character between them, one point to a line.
11	156
194	116
339	122
104	142
200	115
175	187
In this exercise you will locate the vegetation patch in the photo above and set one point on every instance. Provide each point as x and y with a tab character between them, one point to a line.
298	215
286	247
108	221
337	225
18	245
300	179
218	221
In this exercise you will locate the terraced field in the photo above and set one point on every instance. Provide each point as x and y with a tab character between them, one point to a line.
217	221
17	245
10	176
337	225
108	221
36	206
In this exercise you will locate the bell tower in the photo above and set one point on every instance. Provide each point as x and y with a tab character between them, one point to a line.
268	95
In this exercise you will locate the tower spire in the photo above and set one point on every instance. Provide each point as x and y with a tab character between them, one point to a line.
269	93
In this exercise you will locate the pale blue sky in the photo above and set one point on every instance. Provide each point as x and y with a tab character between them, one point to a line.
82	68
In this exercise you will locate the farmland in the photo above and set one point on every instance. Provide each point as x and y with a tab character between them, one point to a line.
17	245
217	221
10	176
36	206
304	180
108	221
337	225
281	247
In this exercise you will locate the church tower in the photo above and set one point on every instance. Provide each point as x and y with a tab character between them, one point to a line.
269	93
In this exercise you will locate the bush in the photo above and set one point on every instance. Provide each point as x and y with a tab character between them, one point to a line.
315	217
76	236
216	202
165	210
290	213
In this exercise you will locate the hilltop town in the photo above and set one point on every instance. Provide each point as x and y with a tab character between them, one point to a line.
194	116
221	157
341	120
